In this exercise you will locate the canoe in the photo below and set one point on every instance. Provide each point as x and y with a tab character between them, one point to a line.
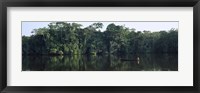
128	60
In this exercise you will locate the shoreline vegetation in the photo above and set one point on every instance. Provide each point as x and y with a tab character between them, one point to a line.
62	38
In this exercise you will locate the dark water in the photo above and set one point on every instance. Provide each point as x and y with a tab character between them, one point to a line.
147	62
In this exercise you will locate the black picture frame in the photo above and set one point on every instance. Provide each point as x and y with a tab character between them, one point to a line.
100	3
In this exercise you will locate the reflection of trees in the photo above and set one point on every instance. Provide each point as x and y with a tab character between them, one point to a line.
148	62
159	62
33	63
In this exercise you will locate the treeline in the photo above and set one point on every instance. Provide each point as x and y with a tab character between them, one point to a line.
62	38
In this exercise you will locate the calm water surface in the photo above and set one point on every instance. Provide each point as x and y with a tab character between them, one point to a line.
147	62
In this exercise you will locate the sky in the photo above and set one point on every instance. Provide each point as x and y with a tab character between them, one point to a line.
27	27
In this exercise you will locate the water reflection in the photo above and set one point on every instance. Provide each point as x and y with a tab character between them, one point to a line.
147	62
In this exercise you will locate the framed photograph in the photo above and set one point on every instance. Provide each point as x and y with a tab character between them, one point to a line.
107	46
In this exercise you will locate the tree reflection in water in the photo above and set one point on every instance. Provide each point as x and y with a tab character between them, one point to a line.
146	62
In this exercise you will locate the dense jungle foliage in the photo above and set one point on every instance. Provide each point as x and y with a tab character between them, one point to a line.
62	38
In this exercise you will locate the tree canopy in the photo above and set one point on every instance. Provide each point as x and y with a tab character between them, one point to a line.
62	38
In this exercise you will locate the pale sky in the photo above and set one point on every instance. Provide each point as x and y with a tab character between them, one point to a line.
27	27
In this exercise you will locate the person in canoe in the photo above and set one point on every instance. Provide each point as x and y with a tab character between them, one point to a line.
138	60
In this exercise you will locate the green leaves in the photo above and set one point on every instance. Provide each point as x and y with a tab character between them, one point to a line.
62	38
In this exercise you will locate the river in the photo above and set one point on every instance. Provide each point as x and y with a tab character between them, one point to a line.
140	62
